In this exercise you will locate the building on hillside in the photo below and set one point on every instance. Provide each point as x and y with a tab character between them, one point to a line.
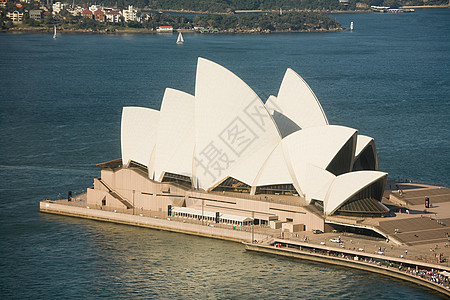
58	6
112	16
15	16
165	29
87	14
223	151
99	15
94	8
36	14
130	14
3	3
145	17
75	11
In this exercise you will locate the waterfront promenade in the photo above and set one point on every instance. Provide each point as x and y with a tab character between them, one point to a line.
424	261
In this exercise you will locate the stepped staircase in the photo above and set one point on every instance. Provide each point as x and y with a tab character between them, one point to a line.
116	195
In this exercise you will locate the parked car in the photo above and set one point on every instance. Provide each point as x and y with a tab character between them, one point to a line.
317	231
335	240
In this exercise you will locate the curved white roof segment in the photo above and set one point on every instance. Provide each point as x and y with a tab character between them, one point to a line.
317	145
285	125
226	131
138	134
271	104
176	132
248	169
313	181
231	123
274	170
297	101
346	185
362	143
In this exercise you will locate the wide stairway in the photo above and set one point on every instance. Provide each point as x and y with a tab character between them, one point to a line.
116	195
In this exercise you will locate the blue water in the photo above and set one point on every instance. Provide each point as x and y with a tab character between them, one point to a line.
61	104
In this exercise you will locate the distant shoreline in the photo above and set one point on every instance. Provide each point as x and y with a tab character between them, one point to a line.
149	31
296	10
425	6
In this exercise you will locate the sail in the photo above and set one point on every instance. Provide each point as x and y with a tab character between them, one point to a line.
54	31
180	39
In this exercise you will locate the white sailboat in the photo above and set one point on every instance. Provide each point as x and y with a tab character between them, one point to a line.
54	31
351	26
180	39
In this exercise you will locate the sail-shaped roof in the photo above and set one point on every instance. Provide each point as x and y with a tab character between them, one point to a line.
317	145
175	140
366	157
297	101
231	123
275	169
226	134
138	134
285	125
347	185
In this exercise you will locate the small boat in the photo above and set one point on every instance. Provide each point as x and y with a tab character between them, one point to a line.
351	26
180	39
54	31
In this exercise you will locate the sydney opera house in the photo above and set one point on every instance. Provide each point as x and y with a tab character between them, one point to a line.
223	153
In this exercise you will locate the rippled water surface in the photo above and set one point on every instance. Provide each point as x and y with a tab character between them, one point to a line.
61	103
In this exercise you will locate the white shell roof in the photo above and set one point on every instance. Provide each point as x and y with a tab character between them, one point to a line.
361	143
285	125
274	170
248	169
175	139
226	131
317	145
346	185
271	104
297	101
231	123
313	181
138	134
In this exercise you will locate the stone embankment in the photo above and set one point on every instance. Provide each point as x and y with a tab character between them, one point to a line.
424	274
156	222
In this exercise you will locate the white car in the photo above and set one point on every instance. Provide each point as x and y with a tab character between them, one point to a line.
335	240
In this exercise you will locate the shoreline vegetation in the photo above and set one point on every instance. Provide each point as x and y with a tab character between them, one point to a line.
150	31
18	16
209	23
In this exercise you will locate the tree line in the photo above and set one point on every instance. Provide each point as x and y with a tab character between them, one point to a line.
262	22
229	6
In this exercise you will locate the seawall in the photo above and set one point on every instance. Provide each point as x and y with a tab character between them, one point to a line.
148	222
361	265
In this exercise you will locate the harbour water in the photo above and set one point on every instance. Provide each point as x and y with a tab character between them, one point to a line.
61	102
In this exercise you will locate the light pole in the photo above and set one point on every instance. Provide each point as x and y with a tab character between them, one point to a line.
203	209
253	226
133	201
